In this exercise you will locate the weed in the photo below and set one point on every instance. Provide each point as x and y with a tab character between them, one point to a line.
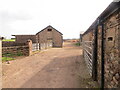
19	54
77	44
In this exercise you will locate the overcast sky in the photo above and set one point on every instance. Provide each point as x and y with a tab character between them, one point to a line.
70	17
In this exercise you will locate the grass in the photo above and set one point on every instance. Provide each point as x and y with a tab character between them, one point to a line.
4	59
11	40
9	56
12	55
77	44
19	54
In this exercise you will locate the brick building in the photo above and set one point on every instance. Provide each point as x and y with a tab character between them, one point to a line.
24	38
101	46
48	34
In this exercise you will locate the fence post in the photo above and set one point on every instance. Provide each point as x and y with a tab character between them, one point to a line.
29	42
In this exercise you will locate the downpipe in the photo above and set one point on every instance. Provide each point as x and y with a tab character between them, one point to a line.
95	46
102	58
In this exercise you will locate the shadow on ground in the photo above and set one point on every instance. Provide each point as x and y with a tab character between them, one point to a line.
67	72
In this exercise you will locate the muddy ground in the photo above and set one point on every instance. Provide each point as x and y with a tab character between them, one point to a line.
51	68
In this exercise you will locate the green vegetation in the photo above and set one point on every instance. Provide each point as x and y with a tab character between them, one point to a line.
9	56
4	59
8	40
12	55
19	54
77	44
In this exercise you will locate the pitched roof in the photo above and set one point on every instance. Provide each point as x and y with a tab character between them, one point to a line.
50	27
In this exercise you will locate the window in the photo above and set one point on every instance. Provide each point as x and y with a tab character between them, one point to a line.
110	38
49	30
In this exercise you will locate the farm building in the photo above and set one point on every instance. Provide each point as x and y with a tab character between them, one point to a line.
48	34
101	47
24	38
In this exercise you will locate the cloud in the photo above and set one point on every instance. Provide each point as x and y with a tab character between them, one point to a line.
30	16
7	16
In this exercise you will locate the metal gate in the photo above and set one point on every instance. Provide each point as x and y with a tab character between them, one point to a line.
35	46
87	52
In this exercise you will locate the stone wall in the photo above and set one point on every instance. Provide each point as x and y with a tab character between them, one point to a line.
46	36
112	58
99	36
111	49
23	50
11	43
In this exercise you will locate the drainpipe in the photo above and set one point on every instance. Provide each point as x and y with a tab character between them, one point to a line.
102	57
95	45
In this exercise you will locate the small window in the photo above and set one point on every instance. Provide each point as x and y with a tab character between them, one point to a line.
110	38
49	30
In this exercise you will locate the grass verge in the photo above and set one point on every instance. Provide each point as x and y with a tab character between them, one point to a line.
4	59
10	56
11	40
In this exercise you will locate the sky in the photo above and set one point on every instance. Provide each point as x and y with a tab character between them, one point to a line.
70	17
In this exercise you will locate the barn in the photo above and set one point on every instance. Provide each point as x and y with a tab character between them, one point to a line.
50	34
101	47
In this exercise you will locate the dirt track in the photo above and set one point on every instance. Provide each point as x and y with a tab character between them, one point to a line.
52	68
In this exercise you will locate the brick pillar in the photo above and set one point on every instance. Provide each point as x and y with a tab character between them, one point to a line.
29	42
